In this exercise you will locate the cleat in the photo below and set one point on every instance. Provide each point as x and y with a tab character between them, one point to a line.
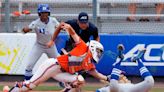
21	86
139	55
66	90
120	55
120	49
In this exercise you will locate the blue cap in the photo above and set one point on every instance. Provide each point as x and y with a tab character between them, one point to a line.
83	17
43	8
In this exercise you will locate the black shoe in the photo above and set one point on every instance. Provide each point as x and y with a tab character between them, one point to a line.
144	20
157	19
130	20
139	55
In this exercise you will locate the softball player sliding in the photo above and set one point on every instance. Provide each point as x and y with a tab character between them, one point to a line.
64	67
116	79
44	28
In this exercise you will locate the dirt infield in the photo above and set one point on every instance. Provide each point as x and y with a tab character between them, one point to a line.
90	84
55	91
51	84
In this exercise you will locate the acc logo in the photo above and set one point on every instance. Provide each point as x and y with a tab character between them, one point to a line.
149	48
83	17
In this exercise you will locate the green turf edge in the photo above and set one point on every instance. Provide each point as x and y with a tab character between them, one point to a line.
87	88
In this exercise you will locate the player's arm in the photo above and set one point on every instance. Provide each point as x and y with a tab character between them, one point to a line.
71	31
96	35
57	31
67	28
98	75
29	28
26	29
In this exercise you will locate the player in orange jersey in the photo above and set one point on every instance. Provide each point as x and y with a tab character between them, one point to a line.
64	68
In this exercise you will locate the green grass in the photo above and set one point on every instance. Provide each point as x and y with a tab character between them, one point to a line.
157	90
56	88
87	88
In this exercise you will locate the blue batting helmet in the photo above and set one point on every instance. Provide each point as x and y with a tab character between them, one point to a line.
43	8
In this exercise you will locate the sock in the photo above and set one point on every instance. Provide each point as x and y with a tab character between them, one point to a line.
143	70
28	74
116	69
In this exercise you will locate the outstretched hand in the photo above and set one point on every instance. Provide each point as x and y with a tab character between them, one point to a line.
26	30
65	26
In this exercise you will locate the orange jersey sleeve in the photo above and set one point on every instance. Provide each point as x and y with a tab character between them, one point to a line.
79	49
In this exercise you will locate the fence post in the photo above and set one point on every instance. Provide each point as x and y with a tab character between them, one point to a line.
7	15
0	11
94	2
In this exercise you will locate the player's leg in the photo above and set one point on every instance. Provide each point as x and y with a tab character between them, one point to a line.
148	82
33	57
52	52
72	83
113	86
116	71
46	70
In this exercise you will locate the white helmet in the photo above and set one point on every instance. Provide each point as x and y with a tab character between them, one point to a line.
96	49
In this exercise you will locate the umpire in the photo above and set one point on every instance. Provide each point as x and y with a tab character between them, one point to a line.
85	29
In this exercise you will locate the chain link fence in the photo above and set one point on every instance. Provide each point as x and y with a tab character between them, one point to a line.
109	15
0	15
61	10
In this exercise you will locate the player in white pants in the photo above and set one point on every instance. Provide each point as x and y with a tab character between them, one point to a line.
116	86
63	68
44	28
